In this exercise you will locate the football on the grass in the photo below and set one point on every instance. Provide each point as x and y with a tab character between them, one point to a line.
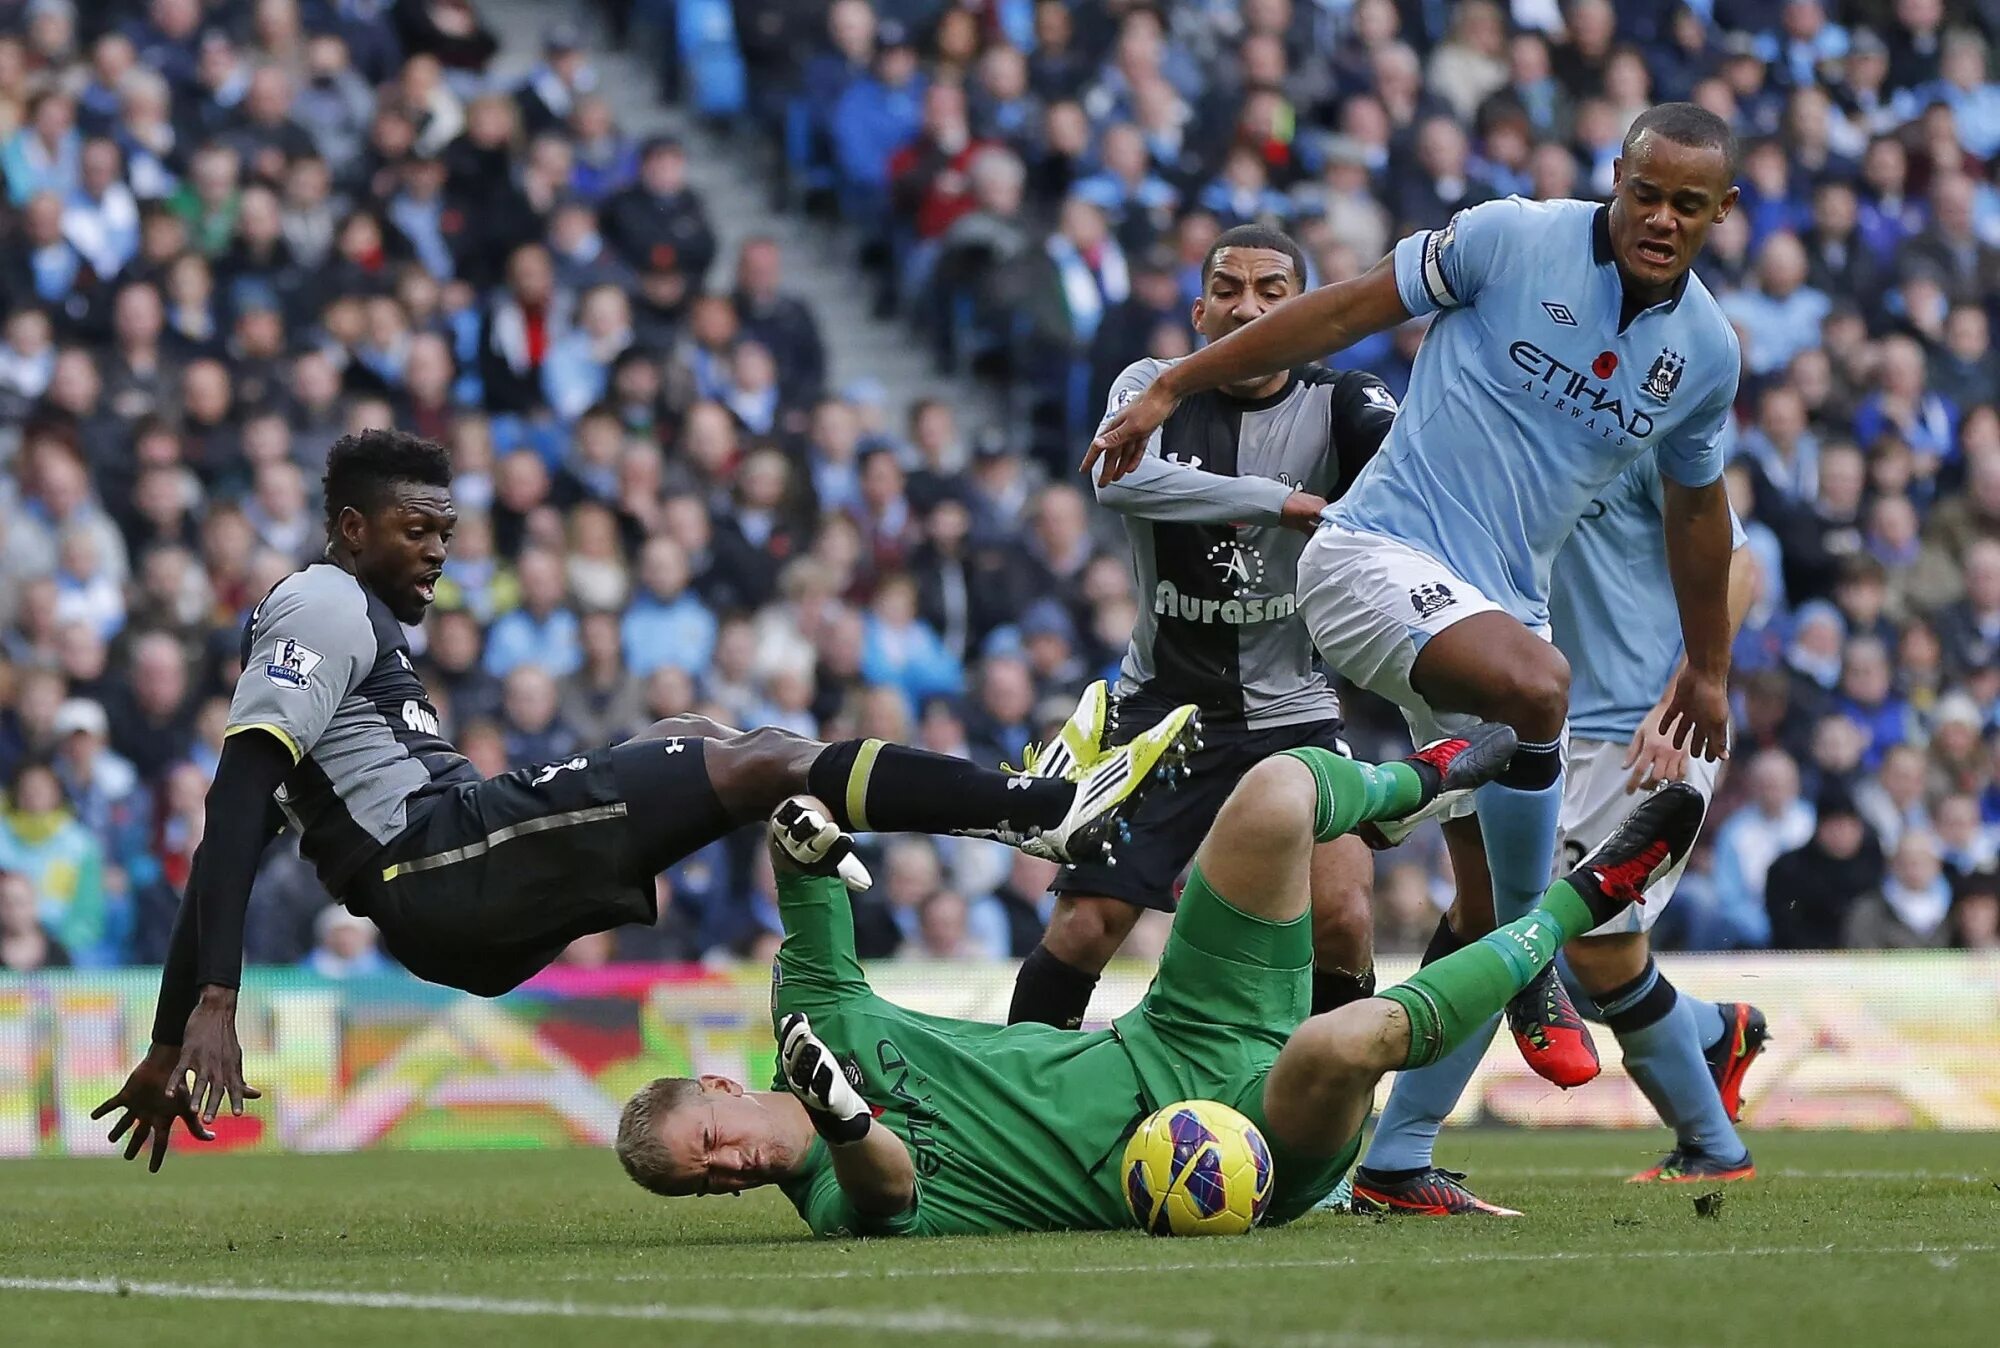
1197	1168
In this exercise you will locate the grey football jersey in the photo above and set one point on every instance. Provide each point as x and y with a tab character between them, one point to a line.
1217	573
326	670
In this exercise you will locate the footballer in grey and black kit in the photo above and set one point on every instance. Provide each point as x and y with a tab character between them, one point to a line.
397	822
480	883
1218	510
1216	573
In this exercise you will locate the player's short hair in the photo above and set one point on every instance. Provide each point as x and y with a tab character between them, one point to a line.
363	467
1255	236
1687	124
639	1148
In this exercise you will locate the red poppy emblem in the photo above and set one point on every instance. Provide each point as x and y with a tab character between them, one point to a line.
1605	364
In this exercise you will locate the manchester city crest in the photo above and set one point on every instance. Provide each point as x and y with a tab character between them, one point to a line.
1665	376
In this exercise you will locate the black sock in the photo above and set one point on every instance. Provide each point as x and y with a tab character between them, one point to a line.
1367	1173
1050	991
1334	988
1646	1000
1443	942
1533	767
871	786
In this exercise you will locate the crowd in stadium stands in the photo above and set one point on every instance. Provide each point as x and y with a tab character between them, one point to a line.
236	230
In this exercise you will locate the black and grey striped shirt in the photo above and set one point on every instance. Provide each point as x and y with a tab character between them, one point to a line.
1216	571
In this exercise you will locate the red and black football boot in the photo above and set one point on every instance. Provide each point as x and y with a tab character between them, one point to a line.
1694	1167
1460	764
1428	1193
1549	1031
1744	1034
1649	843
1545	1023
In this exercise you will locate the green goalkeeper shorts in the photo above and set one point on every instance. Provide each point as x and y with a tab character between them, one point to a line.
1230	990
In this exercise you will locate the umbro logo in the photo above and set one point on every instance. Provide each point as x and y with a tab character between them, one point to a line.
1559	312
1431	597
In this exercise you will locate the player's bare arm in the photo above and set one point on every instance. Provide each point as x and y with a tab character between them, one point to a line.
1698	557
1653	757
1317	323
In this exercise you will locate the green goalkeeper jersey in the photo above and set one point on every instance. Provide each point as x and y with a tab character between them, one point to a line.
1014	1128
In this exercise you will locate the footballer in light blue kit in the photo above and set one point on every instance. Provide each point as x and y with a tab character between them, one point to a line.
1611	612
1570	339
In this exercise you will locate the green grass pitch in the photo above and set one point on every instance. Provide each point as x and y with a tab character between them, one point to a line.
1848	1240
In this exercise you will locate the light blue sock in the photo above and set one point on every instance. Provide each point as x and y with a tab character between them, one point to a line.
1663	1057
1520	831
1407	1132
1709	1024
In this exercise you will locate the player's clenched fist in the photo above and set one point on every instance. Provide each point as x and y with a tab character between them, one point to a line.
814	1076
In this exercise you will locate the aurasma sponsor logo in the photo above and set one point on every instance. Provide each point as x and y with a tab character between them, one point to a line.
1169	602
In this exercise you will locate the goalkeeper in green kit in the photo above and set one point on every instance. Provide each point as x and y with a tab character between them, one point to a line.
889	1122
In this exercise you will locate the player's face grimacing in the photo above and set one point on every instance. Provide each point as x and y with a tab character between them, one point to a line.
1244	284
1665	198
726	1141
399	548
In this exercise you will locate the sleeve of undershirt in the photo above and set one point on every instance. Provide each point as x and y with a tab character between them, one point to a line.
1159	489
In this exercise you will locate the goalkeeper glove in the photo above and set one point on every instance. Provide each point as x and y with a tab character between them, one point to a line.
811	1073
816	845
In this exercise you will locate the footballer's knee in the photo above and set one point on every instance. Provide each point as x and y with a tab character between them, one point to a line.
1533	696
1602	963
688	726
1271	809
1320	1088
1085	931
755	770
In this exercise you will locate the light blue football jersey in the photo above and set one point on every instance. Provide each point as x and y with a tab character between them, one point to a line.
1611	603
1527	399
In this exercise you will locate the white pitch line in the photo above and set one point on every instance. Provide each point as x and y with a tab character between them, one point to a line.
932	1321
1763	1172
1428	1258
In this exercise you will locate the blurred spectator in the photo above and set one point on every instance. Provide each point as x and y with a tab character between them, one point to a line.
25	944
531	723
345	945
1975	911
601	701
666	623
658	221
901	650
1811	889
781	323
1781	317
41	839
1910	907
543	630
1774	821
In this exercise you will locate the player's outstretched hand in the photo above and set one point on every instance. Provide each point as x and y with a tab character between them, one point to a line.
802	833
210	1051
153	1099
1121	443
1697	708
1653	757
815	1077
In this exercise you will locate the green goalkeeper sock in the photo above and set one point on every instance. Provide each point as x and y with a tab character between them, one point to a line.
1352	793
1447	1001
